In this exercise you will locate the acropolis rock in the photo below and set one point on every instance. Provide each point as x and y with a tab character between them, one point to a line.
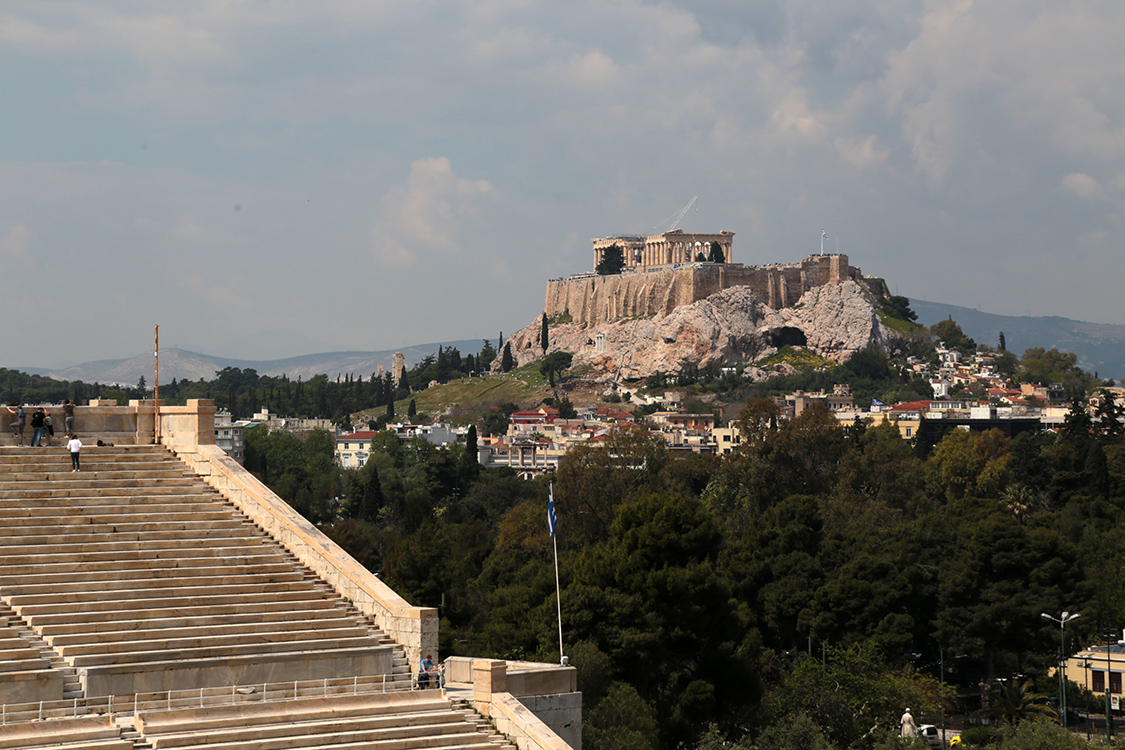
733	326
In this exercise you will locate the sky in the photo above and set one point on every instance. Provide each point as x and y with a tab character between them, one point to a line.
269	178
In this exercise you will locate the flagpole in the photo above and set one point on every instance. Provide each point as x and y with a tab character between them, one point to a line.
558	599
551	524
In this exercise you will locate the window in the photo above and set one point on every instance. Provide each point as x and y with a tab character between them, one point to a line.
1097	681
1115	682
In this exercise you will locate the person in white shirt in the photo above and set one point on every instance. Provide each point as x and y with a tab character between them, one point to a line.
74	445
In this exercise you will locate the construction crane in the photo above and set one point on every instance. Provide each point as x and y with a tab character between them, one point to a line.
681	215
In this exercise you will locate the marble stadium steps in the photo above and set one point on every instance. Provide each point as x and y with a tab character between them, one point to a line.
76	733
135	560
403	721
28	666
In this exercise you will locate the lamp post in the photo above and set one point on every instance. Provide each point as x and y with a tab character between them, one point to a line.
1062	621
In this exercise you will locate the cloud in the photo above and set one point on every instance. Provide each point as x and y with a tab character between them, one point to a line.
422	219
1094	239
14	247
189	228
862	154
1084	186
982	80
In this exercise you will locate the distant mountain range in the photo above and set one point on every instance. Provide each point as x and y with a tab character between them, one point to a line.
1100	347
185	365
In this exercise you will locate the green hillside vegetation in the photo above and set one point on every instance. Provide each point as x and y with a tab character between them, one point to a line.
694	587
800	358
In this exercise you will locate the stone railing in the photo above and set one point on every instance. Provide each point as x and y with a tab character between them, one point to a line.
134	424
537	705
414	628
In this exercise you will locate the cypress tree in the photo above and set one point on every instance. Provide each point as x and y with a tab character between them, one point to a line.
544	334
470	461
506	361
412	409
371	499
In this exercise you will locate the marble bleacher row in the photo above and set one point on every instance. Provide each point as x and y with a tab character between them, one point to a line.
418	719
142	577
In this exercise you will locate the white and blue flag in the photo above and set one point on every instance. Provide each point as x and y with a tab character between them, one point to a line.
552	522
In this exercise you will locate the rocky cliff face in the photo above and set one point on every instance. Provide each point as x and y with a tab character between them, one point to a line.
730	327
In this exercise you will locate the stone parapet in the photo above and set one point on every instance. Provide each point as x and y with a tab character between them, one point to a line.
537	705
414	628
173	674
516	721
135	423
25	687
192	424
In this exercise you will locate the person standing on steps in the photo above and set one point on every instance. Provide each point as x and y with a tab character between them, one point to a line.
17	426
68	414
37	426
48	428
74	445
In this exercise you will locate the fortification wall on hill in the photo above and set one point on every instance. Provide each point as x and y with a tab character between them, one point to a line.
598	299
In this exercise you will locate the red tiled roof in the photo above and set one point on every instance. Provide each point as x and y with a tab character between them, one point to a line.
912	406
364	435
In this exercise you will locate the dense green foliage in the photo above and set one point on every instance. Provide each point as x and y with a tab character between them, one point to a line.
798	593
694	587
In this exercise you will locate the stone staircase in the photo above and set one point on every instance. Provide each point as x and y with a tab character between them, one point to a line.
417	719
134	573
75	733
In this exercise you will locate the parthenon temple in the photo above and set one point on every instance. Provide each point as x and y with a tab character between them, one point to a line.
668	249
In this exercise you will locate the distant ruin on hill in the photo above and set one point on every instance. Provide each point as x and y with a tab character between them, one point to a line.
666	271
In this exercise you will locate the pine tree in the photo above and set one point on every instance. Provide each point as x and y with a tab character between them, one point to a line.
544	334
506	360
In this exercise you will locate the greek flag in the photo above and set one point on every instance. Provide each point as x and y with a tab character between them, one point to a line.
876	402
552	522
823	235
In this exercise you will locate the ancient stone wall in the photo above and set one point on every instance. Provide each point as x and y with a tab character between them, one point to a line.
597	299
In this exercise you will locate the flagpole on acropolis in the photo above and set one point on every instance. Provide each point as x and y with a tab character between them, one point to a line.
551	522
823	237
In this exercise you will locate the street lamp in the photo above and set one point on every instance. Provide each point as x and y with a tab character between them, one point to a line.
1066	617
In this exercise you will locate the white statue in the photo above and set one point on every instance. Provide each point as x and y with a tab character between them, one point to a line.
909	728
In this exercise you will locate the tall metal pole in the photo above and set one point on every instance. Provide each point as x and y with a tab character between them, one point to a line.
1108	710
156	390
558	597
555	544
1062	621
942	653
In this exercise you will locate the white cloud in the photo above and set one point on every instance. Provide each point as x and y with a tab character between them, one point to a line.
15	248
1084	186
422	219
861	154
